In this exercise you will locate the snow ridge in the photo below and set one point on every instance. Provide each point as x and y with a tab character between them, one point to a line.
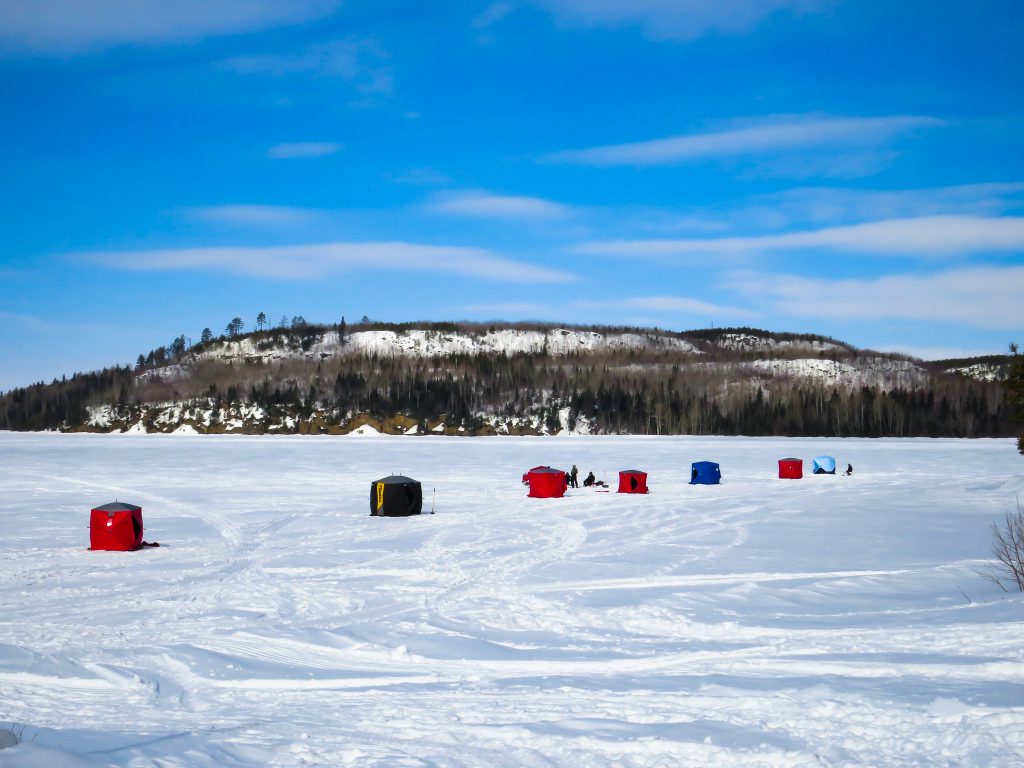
428	343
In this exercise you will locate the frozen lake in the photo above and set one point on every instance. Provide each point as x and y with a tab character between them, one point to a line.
830	621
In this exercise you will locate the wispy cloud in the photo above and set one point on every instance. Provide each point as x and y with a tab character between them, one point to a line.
988	297
68	27
492	14
611	307
481	204
358	62
28	321
679	305
302	149
772	136
808	207
682	20
509	309
925	236
419	177
246	216
834	205
311	262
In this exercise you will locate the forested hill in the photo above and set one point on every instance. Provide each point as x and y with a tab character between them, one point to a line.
474	379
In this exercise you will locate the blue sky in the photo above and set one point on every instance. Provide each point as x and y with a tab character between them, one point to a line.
847	168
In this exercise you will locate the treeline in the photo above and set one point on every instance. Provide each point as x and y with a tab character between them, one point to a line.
636	392
614	391
64	402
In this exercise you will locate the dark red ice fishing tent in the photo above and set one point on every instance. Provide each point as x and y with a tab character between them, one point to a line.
546	483
791	469
632	481
116	527
526	475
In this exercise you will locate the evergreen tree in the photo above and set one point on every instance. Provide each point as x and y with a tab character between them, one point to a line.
178	346
261	320
207	336
1015	391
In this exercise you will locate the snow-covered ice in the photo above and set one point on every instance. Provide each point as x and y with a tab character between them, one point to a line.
831	621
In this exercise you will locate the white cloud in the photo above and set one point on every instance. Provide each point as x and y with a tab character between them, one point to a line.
359	62
419	177
683	20
985	297
68	27
831	205
499	310
30	321
612	307
778	135
662	304
311	262
923	236
479	204
813	208
492	14
680	304
271	216
302	149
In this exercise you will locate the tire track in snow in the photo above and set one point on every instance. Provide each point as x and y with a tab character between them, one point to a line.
654	582
498	579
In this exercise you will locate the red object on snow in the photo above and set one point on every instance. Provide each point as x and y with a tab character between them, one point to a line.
632	481
791	469
526	475
116	527
546	483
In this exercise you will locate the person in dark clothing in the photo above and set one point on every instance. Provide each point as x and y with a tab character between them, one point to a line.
568	480
590	480
849	469
573	477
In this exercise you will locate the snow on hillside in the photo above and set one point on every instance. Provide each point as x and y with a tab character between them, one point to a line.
167	373
981	372
748	342
879	371
830	621
423	343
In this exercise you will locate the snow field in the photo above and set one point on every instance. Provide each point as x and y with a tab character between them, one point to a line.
830	621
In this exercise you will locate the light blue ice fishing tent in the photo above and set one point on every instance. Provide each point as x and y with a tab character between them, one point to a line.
824	465
705	473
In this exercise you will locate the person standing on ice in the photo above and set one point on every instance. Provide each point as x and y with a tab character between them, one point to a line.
573	475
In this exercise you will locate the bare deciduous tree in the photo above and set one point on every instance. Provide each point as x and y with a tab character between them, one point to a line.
1008	548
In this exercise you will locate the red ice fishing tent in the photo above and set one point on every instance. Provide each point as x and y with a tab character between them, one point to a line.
526	475
791	469
632	481
546	483
116	526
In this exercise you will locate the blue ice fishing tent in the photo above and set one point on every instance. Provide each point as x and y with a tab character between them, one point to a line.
705	473
824	465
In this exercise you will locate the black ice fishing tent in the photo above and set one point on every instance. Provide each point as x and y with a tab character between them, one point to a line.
396	496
